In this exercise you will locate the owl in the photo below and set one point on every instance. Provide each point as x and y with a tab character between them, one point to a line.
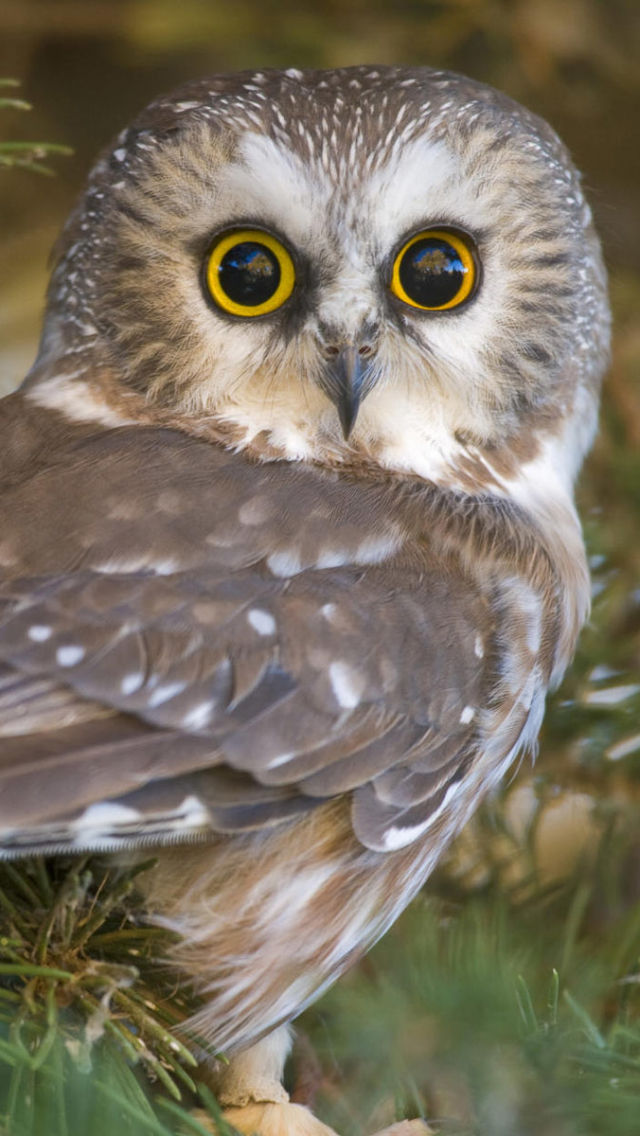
288	550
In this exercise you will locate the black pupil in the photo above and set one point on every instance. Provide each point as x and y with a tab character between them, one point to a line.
249	273
432	272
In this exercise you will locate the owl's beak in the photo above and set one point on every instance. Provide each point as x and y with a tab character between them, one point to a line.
346	382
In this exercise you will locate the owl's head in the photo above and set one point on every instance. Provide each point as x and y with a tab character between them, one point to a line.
387	264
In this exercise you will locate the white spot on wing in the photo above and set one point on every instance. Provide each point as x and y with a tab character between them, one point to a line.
375	549
468	714
286	563
132	682
193	813
166	691
331	558
104	816
198	717
164	567
397	837
478	647
254	511
69	656
39	632
262	621
347	684
281	759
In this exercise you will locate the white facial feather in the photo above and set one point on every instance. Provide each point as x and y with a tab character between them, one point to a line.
270	182
449	388
278	396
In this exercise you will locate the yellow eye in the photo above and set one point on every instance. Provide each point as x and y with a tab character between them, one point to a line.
434	271
249	273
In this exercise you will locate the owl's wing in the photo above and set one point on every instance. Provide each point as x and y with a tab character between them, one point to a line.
186	674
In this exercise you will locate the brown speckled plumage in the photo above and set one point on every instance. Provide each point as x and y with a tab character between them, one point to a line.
294	663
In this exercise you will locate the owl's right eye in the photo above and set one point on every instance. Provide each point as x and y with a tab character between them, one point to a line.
249	273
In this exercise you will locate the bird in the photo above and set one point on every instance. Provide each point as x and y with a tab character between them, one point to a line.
289	555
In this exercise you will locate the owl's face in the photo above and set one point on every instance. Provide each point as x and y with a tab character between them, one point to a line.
381	263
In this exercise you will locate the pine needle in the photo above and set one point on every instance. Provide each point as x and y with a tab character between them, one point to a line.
82	991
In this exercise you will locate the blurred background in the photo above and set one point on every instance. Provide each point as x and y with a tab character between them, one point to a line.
87	66
558	854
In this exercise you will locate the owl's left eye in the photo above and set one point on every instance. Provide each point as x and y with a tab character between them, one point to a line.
435	270
249	273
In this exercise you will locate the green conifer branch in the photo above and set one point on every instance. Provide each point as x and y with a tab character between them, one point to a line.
26	155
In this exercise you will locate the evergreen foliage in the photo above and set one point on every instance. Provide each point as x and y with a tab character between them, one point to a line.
86	1006
25	155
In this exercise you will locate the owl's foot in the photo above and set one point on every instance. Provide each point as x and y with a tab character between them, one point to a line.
296	1120
408	1128
270	1119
